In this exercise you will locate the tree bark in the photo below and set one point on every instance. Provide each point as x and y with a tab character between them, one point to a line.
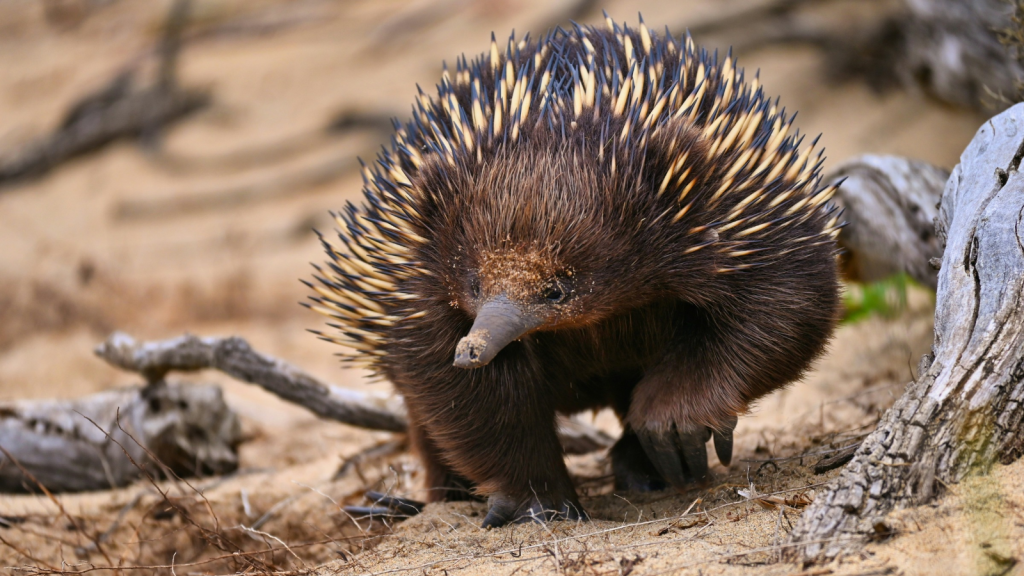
964	411
188	428
890	204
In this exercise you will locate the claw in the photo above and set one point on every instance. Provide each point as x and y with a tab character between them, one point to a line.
693	447
499	512
633	470
397	503
494	520
665	457
504	510
723	442
372	512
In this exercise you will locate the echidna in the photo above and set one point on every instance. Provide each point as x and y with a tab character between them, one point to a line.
603	218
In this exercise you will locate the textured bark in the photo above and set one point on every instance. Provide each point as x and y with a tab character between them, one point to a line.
187	428
889	204
236	358
964	411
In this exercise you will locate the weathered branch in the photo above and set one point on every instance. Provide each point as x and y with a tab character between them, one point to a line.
236	358
950	49
889	204
964	412
55	441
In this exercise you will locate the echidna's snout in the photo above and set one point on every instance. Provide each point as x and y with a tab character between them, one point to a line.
498	322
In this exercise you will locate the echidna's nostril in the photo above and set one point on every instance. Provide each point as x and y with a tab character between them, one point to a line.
473	354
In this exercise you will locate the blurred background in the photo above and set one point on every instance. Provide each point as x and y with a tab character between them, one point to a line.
197	215
204	224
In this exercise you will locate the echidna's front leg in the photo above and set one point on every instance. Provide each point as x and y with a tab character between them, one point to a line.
494	427
440	481
719	362
526	478
695	393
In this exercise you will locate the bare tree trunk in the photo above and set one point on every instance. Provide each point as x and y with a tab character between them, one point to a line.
189	429
964	411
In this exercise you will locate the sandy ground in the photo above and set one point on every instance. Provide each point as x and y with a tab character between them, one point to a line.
77	263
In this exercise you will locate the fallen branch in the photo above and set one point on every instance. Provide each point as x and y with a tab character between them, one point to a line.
188	428
235	357
265	189
950	49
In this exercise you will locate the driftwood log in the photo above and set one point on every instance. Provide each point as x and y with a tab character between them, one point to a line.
890	204
70	446
963	413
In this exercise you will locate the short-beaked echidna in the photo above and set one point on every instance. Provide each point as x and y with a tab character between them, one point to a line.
602	218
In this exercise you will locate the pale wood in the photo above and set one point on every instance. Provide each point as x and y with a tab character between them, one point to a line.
964	411
889	204
951	49
188	428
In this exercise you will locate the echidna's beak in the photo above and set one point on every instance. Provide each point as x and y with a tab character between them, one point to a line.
498	322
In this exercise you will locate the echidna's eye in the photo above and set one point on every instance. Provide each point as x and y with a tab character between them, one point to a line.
554	293
474	287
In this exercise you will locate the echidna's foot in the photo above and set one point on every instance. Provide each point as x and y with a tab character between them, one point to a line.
505	509
679	452
452	488
633	470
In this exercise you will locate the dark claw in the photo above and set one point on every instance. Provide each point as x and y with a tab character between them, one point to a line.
500	511
723	442
633	470
503	510
693	447
680	456
374	511
396	503
665	457
386	506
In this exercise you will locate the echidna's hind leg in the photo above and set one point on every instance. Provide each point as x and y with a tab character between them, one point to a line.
632	468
